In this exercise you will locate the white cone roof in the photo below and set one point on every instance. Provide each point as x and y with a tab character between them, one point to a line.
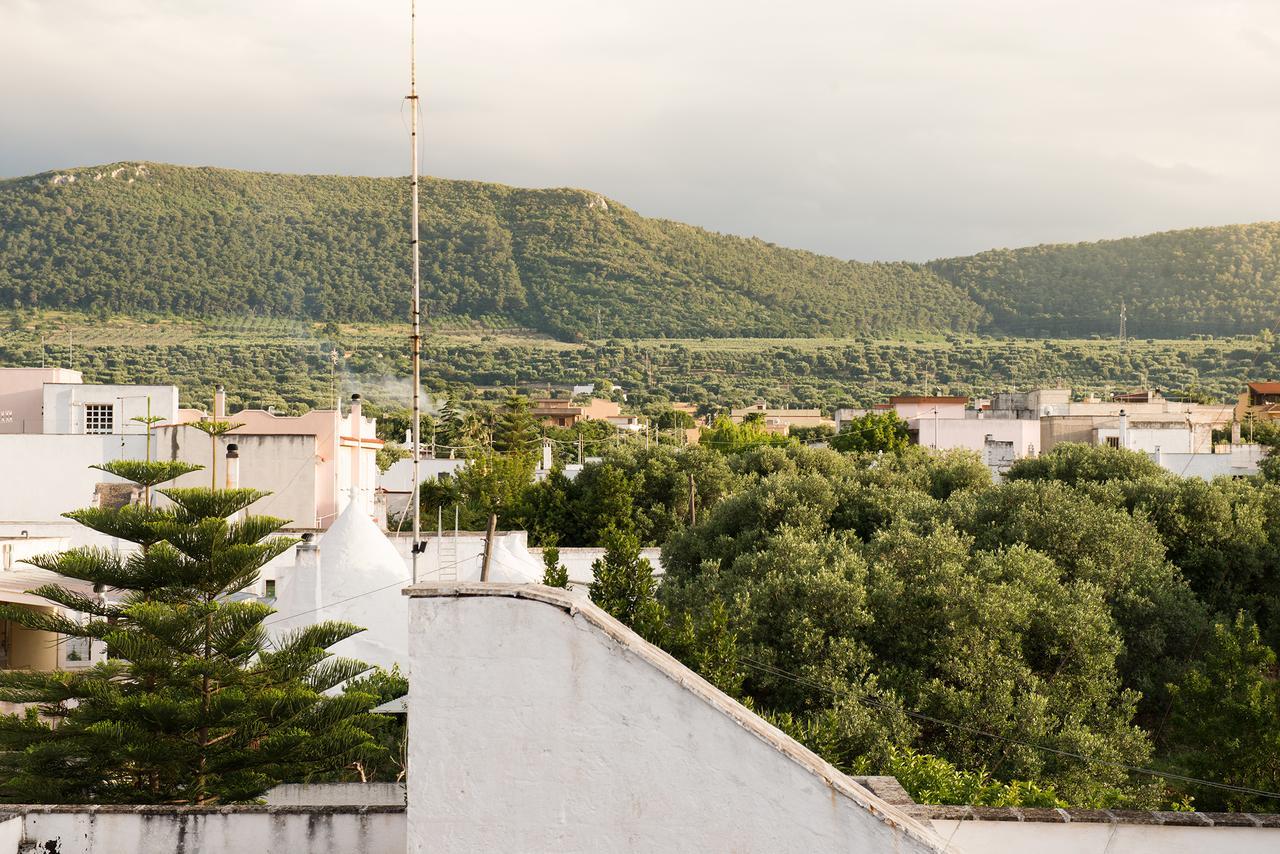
358	581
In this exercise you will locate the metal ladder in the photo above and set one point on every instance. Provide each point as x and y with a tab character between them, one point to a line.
446	548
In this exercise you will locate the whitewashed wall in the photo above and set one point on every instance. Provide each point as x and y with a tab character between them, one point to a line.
231	830
539	723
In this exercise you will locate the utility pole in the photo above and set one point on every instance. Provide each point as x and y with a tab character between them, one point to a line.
1123	318
417	289
488	545
579	446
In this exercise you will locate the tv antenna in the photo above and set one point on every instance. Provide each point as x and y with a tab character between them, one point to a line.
416	338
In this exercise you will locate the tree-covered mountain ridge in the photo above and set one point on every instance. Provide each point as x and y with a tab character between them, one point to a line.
154	238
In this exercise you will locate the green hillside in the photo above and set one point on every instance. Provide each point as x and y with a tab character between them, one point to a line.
1217	281
132	238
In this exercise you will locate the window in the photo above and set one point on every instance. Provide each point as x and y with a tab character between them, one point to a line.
99	418
1113	441
271	588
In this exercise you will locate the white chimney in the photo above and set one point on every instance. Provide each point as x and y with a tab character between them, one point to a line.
1235	432
356	409
219	403
1124	429
233	466
546	455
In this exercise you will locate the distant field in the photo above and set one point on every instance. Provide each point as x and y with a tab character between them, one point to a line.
288	364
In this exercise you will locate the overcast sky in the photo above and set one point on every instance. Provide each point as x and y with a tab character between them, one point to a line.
871	130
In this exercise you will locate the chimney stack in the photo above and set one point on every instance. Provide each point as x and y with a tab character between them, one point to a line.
233	466
355	459
1124	429
1235	432
219	403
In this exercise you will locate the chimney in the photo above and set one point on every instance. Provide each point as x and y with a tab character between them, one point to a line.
219	403
233	466
546	455
1235	432
355	459
1124	429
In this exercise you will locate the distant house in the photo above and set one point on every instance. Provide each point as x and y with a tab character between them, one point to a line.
558	412
1259	402
22	648
781	421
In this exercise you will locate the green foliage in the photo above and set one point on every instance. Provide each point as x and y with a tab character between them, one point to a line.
194	704
729	438
862	592
934	780
1225	724
515	429
641	490
147	473
624	585
873	432
555	574
563	261
1075	464
1173	284
384	758
389	454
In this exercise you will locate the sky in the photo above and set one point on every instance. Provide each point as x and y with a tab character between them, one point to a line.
868	130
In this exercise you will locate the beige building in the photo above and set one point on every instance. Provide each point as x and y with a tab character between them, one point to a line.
561	412
781	421
313	464
22	648
1258	402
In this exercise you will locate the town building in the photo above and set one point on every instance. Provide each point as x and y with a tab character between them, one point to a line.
56	428
946	423
22	648
563	412
781	421
1258	402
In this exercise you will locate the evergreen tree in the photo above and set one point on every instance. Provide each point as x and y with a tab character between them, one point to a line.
555	574
515	430
194	704
624	585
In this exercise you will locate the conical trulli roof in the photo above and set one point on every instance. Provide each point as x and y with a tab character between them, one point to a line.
358	581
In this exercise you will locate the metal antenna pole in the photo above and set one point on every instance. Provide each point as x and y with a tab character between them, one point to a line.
417	295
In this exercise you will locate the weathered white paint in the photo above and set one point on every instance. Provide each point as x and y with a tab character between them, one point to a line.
230	830
64	405
22	396
47	475
1035	837
539	723
10	833
336	794
1235	461
355	575
283	465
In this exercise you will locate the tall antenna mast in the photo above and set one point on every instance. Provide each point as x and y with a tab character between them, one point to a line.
1123	315
417	295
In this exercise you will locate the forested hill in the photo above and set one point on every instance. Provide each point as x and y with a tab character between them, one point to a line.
1205	280
156	238
132	238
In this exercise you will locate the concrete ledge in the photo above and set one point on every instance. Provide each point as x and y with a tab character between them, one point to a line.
946	812
839	783
172	809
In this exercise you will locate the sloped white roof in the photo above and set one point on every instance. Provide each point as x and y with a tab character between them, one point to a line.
359	581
